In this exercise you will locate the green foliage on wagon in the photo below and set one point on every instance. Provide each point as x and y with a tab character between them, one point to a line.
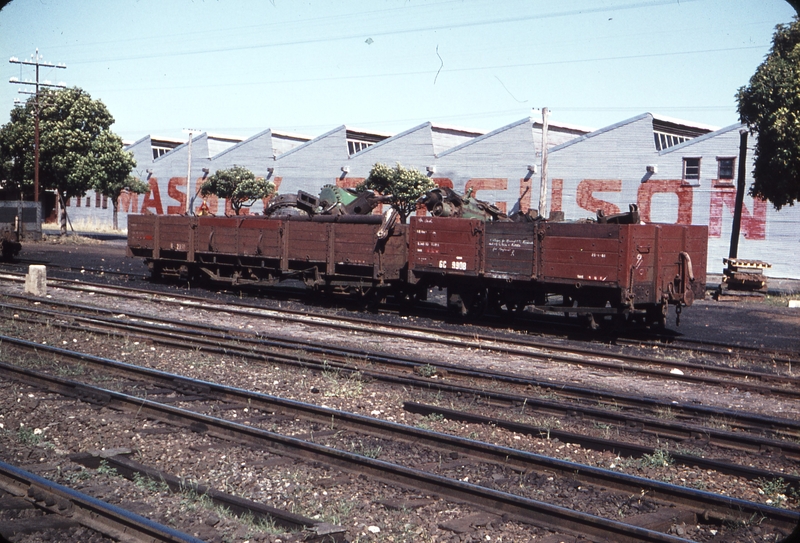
238	185
404	185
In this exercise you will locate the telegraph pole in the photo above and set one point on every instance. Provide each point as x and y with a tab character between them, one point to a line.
189	168
543	185
36	60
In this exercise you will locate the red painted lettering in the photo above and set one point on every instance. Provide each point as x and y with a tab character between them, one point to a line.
177	195
443	182
487	183
349	182
557	196
277	182
525	194
587	188
153	198
128	202
684	193
753	226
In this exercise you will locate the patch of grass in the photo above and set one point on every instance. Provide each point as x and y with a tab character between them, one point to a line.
29	436
425	423
545	424
659	459
150	485
665	413
775	490
105	469
340	385
77	475
425	371
370	451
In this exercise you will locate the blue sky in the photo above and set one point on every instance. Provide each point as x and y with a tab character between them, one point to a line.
239	67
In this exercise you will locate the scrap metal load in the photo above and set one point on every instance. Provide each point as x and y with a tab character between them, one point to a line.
608	268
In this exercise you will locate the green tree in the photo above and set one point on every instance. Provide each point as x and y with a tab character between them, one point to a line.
76	146
405	186
770	106
238	185
111	185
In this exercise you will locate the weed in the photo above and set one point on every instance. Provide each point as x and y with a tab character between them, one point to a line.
29	436
665	413
77	475
546	424
659	459
366	450
105	469
148	484
426	371
774	489
340	386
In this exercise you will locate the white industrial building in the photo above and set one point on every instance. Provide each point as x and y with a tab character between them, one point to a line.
676	171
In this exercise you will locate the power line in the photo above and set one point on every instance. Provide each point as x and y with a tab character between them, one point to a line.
36	60
360	34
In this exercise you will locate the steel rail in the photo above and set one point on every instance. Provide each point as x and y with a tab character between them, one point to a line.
469	339
705	503
201	334
601	444
675	430
530	511
98	515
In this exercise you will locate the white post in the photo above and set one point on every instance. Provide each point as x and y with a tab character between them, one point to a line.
543	185
189	175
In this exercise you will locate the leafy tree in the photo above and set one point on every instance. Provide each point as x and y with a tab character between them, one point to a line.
112	186
405	186
770	106
76	146
238	185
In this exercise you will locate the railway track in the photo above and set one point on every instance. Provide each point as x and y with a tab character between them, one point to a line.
716	373
33	504
759	356
172	332
406	371
714	509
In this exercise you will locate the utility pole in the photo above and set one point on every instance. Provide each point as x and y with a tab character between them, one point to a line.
189	168
543	185
36	61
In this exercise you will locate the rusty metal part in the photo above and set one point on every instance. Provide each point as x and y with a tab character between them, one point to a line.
445	202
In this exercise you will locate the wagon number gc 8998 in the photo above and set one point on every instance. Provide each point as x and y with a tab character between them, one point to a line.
455	265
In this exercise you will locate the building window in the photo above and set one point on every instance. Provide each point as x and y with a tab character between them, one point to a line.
355	146
105	201
160	151
691	169
725	169
664	140
96	199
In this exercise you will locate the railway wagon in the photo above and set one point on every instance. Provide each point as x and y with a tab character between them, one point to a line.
10	245
598	271
329	253
632	271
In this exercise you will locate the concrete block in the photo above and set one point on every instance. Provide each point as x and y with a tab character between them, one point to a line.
794	303
36	280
